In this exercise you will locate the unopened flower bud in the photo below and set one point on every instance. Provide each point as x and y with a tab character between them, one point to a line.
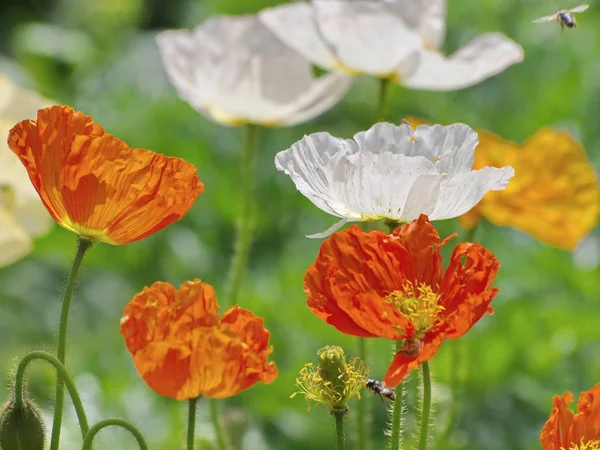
333	381
21	428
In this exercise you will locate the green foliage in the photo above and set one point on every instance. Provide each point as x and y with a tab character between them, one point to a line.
542	340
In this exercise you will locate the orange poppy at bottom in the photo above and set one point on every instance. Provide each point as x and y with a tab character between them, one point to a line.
566	430
183	349
97	186
392	286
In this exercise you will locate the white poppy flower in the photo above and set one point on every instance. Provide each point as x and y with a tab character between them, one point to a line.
22	214
395	39
235	71
391	172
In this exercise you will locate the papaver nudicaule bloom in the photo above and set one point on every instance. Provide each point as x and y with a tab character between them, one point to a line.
235	71
391	39
391	172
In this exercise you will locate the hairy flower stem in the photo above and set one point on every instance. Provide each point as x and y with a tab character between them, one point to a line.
339	429
222	443
363	410
381	110
191	422
426	406
83	244
62	374
115	422
396	425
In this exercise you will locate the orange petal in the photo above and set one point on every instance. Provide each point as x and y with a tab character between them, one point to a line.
466	287
402	365
348	283
94	184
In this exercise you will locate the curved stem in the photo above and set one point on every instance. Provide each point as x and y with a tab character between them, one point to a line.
222	443
83	244
381	110
191	422
114	422
426	406
339	429
62	373
245	221
363	410
396	425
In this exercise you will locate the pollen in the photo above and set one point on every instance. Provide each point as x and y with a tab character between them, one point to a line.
419	304
590	445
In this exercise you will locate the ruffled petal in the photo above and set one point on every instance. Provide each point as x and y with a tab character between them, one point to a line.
426	17
483	57
348	283
461	192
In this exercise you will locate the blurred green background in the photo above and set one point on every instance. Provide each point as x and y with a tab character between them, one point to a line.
100	58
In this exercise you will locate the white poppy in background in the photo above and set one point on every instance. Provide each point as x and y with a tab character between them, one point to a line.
394	39
391	172
235	71
22	214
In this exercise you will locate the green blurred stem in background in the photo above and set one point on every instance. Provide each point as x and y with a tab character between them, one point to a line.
222	442
191	422
426	406
245	219
113	422
83	244
395	436
381	110
61	374
363	411
339	429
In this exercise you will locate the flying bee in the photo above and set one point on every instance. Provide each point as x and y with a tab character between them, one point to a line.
381	389
564	17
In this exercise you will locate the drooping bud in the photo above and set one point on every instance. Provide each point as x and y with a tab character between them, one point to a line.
334	381
21	428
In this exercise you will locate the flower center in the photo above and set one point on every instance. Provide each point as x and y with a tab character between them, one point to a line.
419	304
589	445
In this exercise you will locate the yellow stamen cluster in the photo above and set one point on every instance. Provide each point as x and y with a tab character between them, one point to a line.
333	381
419	304
589	445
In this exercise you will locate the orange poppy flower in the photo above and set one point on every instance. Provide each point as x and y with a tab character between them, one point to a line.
182	349
393	286
566	430
94	184
554	195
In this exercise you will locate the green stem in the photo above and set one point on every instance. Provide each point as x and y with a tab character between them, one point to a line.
396	425
339	429
83	244
426	406
62	374
245	220
191	422
381	110
222	443
363	412
114	422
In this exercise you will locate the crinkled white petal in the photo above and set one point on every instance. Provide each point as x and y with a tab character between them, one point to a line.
234	70
18	104
452	147
295	24
14	242
376	186
365	36
461	192
483	57
423	197
426	17
305	162
387	137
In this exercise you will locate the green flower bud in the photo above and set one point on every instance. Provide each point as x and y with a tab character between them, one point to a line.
334	380
21	428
